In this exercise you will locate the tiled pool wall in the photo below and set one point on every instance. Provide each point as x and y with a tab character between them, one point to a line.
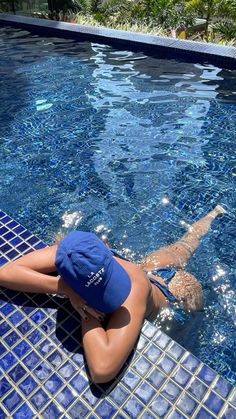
163	47
42	368
43	372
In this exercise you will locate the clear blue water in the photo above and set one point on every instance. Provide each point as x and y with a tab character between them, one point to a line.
110	136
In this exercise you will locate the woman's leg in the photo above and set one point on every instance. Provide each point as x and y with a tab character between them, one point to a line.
177	254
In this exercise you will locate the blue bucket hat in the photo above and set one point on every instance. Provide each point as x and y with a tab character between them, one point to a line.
86	264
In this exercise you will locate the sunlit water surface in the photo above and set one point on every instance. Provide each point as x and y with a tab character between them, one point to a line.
129	146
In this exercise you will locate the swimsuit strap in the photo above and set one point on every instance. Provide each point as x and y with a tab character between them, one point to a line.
165	273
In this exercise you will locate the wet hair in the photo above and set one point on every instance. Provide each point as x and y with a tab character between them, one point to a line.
187	290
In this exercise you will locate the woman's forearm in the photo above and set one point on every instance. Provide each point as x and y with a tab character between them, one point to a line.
21	278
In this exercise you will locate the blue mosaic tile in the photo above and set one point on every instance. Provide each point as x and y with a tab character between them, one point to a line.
153	353
119	395
149	330
38	316
176	351
4	328
17	373
91	396
7	361
12	254
214	402
133	407
207	374
56	359
105	410
12	400
181	376
9	236
31	360
204	414
142	343
222	387
142	366
2	348
3	230
166	364
16	317
47	326
5	248
5	219
42	371
24	411
170	391
5	386
67	370
39	399
21	349
160	406
25	327
78	410
35	336
28	385
130	380
145	393
7	309
18	229
3	260
39	245
191	363
156	378
12	338
22	247
51	411
176	415
45	347
187	405
53	383
15	241
66	397
229	413
162	340
79	383
12	224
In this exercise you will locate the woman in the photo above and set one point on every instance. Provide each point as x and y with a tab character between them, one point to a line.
100	283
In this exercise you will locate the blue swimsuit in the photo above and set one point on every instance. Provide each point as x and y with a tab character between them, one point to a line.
165	273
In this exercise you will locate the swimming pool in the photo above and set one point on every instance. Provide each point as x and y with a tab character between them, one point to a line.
133	146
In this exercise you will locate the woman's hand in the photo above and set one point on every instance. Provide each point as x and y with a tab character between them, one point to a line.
82	308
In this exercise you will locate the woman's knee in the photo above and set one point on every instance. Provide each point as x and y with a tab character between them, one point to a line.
188	290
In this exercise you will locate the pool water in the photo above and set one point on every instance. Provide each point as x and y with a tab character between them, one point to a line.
130	146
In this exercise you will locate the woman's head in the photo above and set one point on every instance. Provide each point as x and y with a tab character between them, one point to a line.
86	264
188	290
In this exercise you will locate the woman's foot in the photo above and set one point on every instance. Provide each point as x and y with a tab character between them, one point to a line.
202	226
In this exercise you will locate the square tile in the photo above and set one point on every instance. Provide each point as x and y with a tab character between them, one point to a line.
204	414
130	380
145	393
166	364
142	366
39	399
79	383
12	400
78	410
119	394
52	411
207	374
42	371
162	340
176	351
5	386
213	402
187	404
17	372
133	407
222	387
31	360
153	353
8	360
65	397
156	378
105	410
21	349
170	391
229	413
191	363
24	411
160	407
53	384
181	376
197	388
28	385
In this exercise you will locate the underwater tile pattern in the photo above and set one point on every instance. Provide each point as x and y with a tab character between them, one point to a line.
43	372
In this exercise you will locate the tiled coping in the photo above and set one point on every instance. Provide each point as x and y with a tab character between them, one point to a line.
223	56
43	373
